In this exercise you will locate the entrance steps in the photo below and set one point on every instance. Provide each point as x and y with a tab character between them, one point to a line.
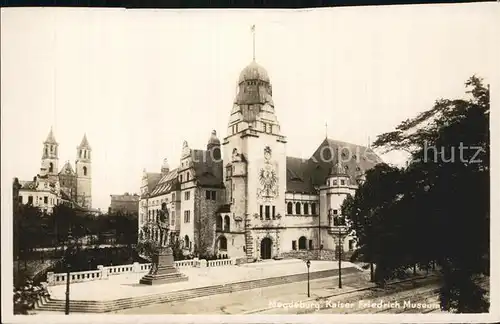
103	306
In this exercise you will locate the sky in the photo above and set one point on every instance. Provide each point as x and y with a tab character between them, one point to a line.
140	82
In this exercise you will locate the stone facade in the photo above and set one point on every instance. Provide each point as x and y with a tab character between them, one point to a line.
267	204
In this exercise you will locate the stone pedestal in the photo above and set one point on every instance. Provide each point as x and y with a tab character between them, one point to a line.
166	272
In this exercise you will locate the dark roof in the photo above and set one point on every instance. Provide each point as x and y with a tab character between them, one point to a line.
166	184
208	171
305	175
297	177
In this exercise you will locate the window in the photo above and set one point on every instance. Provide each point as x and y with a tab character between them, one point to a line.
187	243
294	245
30	200
51	167
187	176
218	223
207	194
180	178
342	182
223	243
313	208
213	195
45	200
187	216
351	245
297	208
335	211
84	170
268	212
302	243
173	196
274	212
20	199
310	244
172	222
261	211
289	208
226	224
187	195
306	209
334	182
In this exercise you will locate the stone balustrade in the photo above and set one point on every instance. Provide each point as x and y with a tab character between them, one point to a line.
103	273
220	263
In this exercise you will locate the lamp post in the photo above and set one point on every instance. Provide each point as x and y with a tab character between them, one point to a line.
68	270
340	257
308	264
338	227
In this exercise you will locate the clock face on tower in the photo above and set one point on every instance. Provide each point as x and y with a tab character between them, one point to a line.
268	178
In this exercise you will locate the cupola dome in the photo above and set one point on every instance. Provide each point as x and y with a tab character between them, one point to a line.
254	71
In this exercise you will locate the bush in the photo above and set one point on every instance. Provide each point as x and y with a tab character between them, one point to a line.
26	296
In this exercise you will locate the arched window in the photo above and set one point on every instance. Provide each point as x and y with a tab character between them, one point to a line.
51	167
297	208
46	151
85	154
302	243
218	224
187	176
306	209
84	170
289	208
223	243
313	208
226	223
80	153
187	244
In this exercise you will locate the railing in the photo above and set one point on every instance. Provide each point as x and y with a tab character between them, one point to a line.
220	263
102	273
60	278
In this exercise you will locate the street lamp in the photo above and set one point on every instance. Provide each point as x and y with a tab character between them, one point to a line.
68	269
338	227
308	264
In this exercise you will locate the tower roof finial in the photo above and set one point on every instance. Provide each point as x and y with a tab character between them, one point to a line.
253	34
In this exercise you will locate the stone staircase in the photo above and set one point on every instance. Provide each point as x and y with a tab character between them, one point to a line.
248	241
87	306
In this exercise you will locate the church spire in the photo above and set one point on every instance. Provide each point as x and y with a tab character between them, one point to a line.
85	142
50	138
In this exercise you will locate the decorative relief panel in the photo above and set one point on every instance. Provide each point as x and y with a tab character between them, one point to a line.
268	178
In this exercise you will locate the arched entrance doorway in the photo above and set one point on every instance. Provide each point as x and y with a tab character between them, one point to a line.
265	248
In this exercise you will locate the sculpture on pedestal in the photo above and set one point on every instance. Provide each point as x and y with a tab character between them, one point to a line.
163	268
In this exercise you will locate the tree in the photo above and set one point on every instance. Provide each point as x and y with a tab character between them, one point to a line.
437	208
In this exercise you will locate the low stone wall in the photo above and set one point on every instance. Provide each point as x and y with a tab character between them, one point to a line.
104	272
323	255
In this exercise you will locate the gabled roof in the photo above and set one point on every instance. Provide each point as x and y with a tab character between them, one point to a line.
305	175
166	184
67	169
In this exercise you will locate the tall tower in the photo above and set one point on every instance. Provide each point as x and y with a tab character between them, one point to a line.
50	156
83	167
256	176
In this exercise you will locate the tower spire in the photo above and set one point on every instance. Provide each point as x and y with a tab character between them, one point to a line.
326	129
253	35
